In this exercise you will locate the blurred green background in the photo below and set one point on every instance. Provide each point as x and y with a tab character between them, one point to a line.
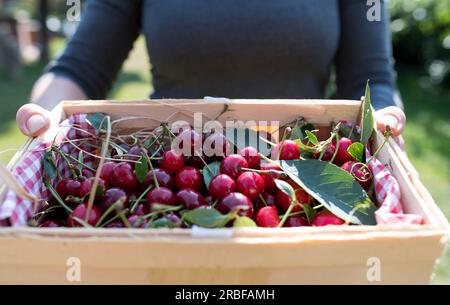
421	39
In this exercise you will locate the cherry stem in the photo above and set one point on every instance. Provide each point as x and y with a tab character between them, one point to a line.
265	171
287	132
57	197
114	218
387	135
293	214
113	207
124	220
135	204
144	154
63	155
337	148
206	164
262	199
285	216
171	209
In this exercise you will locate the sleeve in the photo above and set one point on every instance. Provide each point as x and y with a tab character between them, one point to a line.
365	53
95	54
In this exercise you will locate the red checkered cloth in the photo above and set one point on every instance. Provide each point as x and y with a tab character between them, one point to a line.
29	173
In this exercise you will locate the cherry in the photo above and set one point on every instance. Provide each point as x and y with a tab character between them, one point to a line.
51	224
289	151
234	201
159	195
269	179
137	221
122	176
115	224
190	198
140	210
251	155
134	154
250	184
196	161
87	173
296	221
107	170
326	218
190	142
173	161
342	155
362	175
86	185
232	165
221	185
329	153
284	201
111	196
189	177
115	153
68	187
267	200
80	212
163	177
216	145
267	217
169	221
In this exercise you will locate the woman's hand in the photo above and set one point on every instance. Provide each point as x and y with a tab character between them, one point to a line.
396	119
32	120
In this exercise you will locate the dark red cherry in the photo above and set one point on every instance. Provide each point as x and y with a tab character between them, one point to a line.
221	185
173	161
251	155
232	165
268	217
267	199
250	184
134	154
87	173
137	221
80	213
235	201
328	154
296	221
163	177
189	177
189	198
52	224
68	187
269	178
86	186
216	145
123	177
362	174
190	142
284	201
290	151
112	196
107	171
159	195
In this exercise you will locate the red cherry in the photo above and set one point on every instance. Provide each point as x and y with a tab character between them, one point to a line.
190	142
269	179
159	195
342	155
251	155
163	177
267	217
326	218
80	212
134	154
363	176
284	201
296	221
137	221
235	201
232	165
173	161
122	176
51	224
290	151
189	177
68	187
329	153
111	196
221	185
190	199
216	145
87	173
250	184
267	200
196	161
107	171
86	185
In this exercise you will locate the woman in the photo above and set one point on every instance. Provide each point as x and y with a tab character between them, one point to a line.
228	48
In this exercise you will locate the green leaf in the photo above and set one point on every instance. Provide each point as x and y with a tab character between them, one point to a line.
285	188
208	217
244	221
336	189
303	147
312	137
309	212
367	120
210	171
141	170
95	120
49	164
356	150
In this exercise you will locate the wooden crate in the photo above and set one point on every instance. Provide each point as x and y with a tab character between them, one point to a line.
306	255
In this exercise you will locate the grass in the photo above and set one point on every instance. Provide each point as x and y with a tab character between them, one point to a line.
427	134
